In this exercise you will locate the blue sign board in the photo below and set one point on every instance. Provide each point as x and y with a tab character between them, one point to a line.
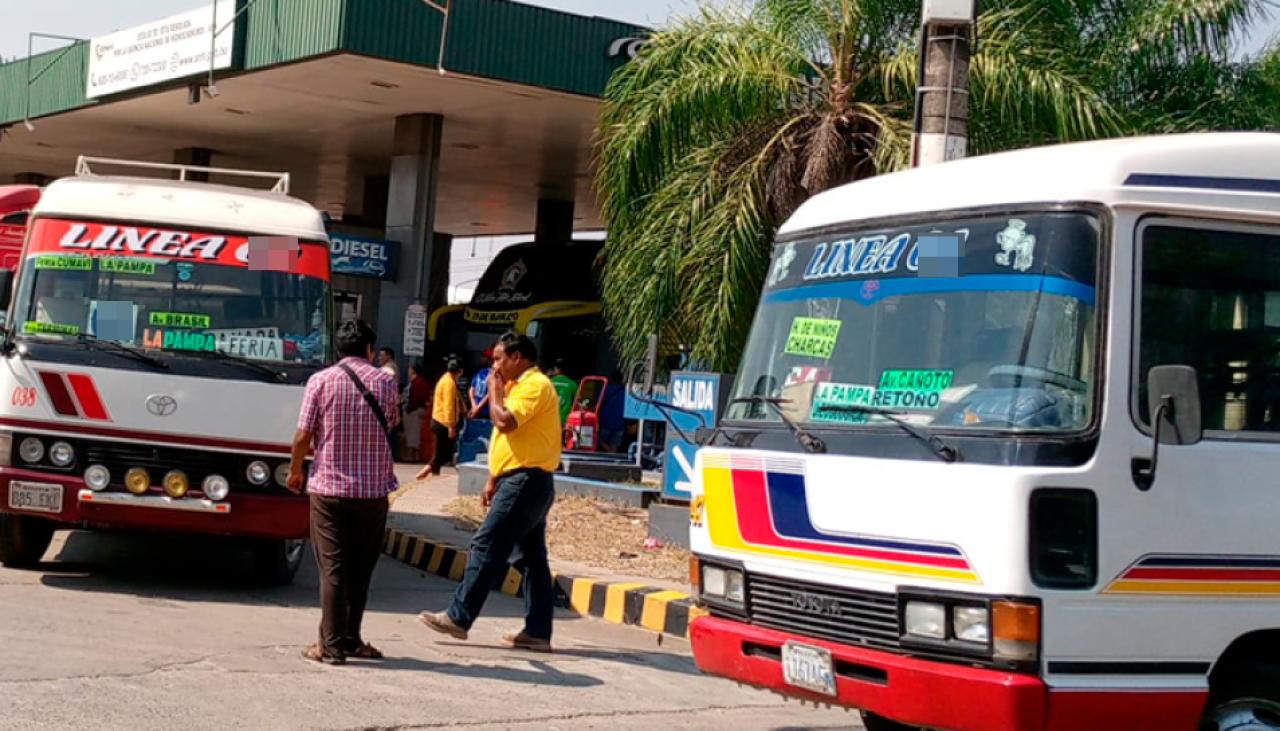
361	256
699	392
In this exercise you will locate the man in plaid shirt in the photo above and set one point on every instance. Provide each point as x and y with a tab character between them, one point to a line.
350	479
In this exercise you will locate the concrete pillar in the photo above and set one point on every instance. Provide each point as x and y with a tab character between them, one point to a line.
194	156
411	213
944	95
555	221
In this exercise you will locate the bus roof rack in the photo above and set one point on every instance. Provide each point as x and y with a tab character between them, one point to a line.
83	169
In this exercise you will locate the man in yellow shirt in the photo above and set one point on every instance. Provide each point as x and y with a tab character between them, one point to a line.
446	417
523	453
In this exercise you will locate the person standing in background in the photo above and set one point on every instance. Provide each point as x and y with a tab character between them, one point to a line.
479	391
346	413
566	389
419	396
613	410
387	364
446	415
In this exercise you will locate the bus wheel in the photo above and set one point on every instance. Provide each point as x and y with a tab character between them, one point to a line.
276	562
1249	701
23	540
872	722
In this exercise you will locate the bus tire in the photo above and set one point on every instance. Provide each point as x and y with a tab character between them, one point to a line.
276	561
872	722
1246	699
23	540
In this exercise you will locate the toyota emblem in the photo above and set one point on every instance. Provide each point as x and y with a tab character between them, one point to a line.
161	405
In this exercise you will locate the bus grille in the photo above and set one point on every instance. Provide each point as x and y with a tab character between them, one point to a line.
849	616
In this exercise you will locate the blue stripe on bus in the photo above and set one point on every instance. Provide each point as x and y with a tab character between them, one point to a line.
1202	182
854	289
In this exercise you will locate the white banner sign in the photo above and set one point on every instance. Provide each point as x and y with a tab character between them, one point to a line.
415	330
161	51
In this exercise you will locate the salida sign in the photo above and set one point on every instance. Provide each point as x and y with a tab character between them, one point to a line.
98	239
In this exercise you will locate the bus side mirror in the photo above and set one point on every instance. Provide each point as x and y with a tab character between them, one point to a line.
1173	393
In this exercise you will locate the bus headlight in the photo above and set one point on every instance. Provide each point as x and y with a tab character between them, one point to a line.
175	484
723	584
216	487
97	478
61	454
972	624
6	448
31	450
258	473
925	619
282	474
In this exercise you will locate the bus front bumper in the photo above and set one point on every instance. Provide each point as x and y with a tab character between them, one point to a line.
66	500
935	694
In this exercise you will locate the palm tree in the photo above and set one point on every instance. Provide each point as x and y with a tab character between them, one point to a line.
730	119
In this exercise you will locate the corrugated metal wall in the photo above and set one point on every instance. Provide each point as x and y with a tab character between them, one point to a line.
279	31
59	86
494	38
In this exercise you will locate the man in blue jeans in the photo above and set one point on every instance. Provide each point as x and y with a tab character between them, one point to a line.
523	454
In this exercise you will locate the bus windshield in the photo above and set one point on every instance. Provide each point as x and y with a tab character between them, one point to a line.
175	293
981	322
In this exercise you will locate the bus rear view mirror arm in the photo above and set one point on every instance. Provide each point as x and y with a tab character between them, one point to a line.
1173	395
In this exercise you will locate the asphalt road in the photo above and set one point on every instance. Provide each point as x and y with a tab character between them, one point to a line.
144	632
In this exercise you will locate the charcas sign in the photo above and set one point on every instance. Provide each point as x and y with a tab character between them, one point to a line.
165	50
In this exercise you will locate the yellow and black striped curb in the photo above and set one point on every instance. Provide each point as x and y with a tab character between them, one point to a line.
660	610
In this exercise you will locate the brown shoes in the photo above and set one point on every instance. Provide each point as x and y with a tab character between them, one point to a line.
522	641
442	623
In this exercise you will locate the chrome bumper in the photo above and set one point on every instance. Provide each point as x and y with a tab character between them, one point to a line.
162	502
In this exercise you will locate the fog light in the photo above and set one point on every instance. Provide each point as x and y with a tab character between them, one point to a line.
282	474
258	473
137	481
175	484
31	450
97	478
61	454
6	448
971	624
924	619
215	487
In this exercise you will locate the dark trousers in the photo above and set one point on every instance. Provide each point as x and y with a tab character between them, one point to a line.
347	535
445	445
517	520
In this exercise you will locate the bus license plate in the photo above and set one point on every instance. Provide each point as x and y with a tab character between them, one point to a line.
808	667
35	497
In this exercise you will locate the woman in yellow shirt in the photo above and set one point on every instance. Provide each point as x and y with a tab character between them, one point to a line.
446	415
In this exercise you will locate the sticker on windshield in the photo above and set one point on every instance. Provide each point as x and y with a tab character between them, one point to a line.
830	402
912	389
127	265
32	327
1017	247
64	261
186	320
812	337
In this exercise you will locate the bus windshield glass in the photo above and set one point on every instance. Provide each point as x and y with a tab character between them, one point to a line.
176	293
986	322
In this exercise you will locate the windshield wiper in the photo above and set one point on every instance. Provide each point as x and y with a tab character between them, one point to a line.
112	346
810	443
241	360
945	452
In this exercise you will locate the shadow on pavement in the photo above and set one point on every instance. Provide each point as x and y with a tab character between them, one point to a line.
542	673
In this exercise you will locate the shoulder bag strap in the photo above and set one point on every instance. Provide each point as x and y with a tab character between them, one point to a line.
368	397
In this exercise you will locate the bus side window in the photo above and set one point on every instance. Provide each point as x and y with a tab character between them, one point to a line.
1211	300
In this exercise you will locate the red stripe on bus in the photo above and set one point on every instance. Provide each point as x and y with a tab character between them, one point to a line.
87	393
58	394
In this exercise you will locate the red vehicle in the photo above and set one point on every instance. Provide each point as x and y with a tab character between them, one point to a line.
16	202
582	429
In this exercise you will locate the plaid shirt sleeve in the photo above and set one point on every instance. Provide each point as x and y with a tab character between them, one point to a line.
309	416
389	399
